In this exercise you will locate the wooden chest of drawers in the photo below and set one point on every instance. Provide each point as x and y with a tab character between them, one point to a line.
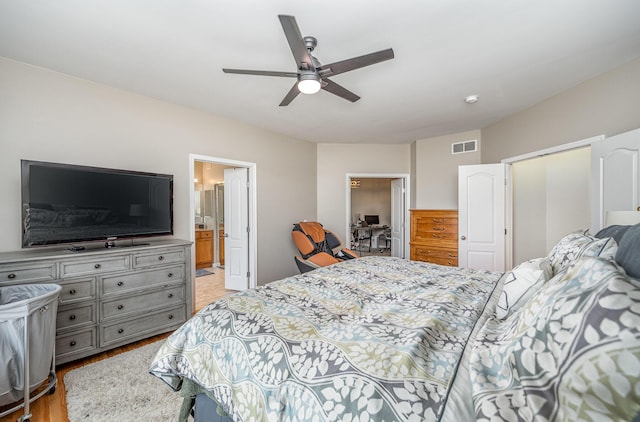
109	297
434	236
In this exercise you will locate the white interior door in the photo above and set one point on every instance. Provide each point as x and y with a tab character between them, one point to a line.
615	180
482	216
398	199
236	229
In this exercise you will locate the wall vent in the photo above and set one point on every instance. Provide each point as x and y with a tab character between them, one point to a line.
464	146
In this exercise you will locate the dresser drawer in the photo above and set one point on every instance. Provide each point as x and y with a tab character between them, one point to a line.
435	254
27	273
422	251
143	326
450	262
436	216
77	290
145	260
94	266
141	303
428	228
76	316
436	236
81	342
113	285
204	234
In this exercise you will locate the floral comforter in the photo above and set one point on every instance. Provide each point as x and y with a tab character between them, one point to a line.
376	338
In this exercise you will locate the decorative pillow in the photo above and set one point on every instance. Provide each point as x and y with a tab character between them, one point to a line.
521	283
572	353
628	255
614	231
578	244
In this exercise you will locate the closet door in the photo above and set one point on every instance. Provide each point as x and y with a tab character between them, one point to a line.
615	179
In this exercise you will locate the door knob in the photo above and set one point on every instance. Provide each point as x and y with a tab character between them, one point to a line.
463	237
226	235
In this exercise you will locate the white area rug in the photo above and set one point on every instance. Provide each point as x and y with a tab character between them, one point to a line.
120	389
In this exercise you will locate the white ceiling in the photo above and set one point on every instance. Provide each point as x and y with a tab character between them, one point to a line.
512	53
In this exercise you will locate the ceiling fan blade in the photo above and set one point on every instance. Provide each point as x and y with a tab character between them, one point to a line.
261	73
339	90
355	63
293	93
294	38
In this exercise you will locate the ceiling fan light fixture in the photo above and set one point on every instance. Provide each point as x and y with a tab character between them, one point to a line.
309	83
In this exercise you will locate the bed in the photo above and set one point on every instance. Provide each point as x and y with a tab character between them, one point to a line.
386	339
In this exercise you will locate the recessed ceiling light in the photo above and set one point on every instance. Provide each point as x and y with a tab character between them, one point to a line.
470	99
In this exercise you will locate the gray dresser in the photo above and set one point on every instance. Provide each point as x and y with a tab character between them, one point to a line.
109	297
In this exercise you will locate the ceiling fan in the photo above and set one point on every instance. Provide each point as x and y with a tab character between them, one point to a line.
311	75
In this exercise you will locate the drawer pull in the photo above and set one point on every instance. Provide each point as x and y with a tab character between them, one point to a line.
438	220
439	228
72	291
120	307
120	331
72	317
160	258
170	316
97	266
72	343
120	283
170	295
170	275
439	236
11	276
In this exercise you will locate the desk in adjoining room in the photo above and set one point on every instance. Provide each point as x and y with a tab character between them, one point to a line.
367	233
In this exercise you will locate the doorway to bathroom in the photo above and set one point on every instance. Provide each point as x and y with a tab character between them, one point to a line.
223	209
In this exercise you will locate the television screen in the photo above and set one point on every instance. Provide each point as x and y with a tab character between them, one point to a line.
63	203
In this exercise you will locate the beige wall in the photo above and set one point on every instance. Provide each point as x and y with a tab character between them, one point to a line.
335	161
373	197
49	116
606	105
436	170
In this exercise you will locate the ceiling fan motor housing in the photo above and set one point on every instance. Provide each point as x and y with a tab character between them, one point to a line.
310	42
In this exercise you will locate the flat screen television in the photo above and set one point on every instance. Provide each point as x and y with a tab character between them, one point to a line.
64	203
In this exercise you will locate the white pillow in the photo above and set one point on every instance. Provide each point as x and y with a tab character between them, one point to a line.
521	283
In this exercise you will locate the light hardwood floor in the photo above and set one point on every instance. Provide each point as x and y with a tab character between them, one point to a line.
53	407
